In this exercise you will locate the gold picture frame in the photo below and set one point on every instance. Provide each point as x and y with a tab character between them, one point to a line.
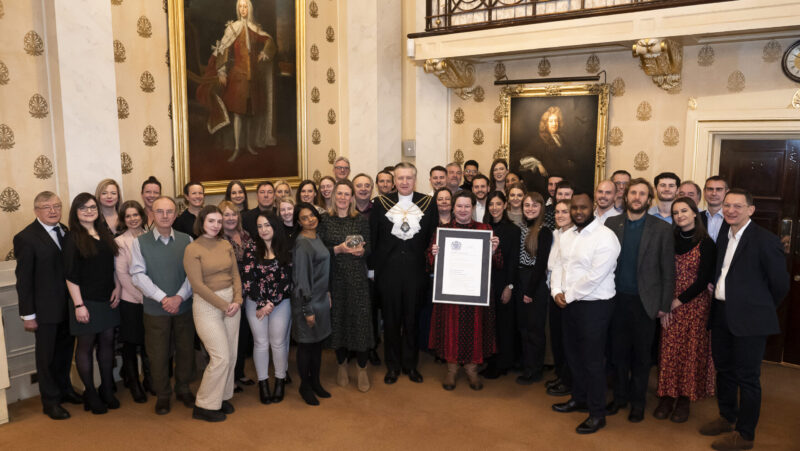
180	107
525	109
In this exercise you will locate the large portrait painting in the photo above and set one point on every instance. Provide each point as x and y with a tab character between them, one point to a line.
556	130
237	84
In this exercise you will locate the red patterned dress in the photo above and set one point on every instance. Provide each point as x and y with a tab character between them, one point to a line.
461	333
685	365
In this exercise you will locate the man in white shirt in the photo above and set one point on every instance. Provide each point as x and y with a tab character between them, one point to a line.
604	200
583	281
715	190
666	185
480	188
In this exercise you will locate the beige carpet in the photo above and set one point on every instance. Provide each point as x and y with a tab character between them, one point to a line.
502	416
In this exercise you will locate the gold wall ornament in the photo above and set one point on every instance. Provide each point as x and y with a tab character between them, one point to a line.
458	156
478	94
458	116
169	110
4	77
553	90
122	108
313	9
2	10
501	153
37	106
772	51
641	161
692	103
316	136
593	64
662	60
615	136
618	87
33	44
671	136
164	5
331	116
544	67
315	94
150	136
172	163
499	71
329	34
10	255
166	57
146	82
6	137
331	156
705	56
317	176
42	167
795	104
143	27
119	51
127	163
644	111
499	112
736	81
453	73
331	76
116	2
314	52
9	200
477	137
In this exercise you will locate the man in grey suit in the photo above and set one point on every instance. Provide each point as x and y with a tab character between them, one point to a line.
645	278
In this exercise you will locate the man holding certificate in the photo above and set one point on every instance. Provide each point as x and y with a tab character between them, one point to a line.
582	283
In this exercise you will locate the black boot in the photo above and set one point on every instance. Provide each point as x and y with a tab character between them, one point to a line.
279	390
92	401
263	391
308	395
107	395
131	375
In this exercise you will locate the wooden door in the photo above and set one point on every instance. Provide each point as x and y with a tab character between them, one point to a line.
770	170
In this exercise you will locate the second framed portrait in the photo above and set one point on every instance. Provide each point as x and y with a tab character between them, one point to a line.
556	131
237	82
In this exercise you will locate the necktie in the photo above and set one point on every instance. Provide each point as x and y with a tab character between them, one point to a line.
60	238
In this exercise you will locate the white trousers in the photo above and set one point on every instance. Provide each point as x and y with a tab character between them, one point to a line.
270	332
220	335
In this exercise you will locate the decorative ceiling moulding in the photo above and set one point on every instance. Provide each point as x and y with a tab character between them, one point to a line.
662	60
456	74
795	104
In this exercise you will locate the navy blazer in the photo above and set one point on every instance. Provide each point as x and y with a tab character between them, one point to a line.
756	283
41	285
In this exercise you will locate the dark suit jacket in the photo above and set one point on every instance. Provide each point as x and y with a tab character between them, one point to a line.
756	283
385	244
656	264
41	286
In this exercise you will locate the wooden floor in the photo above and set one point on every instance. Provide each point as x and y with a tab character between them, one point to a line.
407	416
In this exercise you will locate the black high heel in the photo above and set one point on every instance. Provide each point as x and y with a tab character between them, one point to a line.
280	385
107	395
91	401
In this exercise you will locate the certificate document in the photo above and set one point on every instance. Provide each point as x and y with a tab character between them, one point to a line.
463	266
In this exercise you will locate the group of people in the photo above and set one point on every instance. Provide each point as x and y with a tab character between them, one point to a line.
614	273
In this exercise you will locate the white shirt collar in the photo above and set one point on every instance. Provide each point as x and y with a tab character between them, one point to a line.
739	233
157	235
409	198
49	228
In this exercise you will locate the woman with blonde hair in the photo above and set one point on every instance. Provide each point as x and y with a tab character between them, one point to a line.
109	196
282	189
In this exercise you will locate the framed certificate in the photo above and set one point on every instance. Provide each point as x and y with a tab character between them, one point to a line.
462	270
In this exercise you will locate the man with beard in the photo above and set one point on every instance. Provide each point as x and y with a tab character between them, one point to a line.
438	178
470	171
480	188
645	281
454	177
604	200
582	283
666	188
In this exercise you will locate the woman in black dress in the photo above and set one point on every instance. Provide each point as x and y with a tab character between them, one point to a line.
502	284
89	253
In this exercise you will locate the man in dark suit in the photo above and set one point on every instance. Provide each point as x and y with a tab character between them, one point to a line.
751	281
401	224
42	293
715	189
645	281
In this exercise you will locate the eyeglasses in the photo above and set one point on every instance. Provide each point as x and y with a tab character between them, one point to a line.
86	208
470	172
56	207
342	168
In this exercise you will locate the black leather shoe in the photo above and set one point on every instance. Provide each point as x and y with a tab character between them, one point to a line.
374	359
591	425
227	408
413	375
56	412
560	389
162	406
107	395
570	406
320	391
186	398
92	401
528	378
612	408
552	382
636	415
71	397
391	377
308	396
212	416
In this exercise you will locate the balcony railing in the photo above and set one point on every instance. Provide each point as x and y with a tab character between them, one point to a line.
445	16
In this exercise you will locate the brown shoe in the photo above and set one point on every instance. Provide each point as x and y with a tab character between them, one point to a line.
732	442
449	382
472	374
342	377
665	405
363	380
681	412
717	427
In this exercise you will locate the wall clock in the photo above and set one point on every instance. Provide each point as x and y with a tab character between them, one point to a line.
791	62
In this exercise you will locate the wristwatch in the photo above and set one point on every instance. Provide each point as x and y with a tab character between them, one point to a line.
510	286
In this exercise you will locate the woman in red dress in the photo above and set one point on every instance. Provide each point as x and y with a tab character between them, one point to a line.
686	372
463	335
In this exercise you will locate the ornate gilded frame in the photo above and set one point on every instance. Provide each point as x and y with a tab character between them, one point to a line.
180	131
601	90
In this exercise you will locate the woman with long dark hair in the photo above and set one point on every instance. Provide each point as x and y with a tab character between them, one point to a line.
267	281
237	193
515	193
325	199
685	370
89	253
151	190
498	173
307	192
